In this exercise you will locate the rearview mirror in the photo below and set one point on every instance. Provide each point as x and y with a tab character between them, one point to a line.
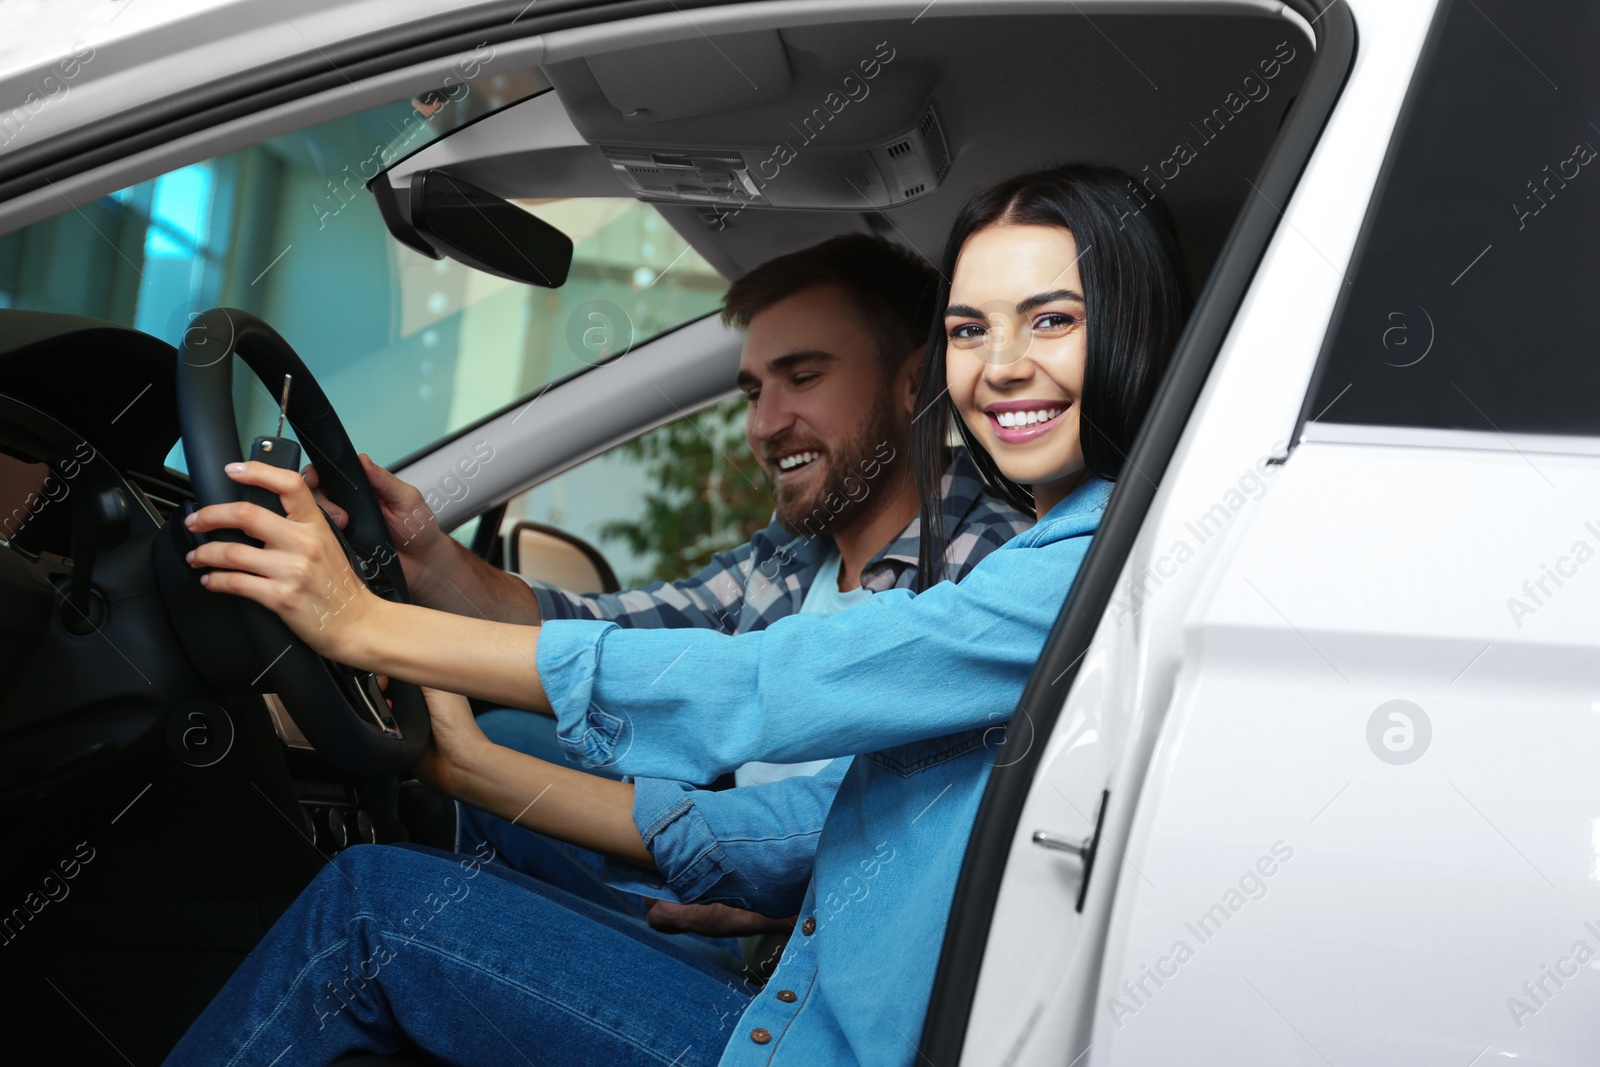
487	233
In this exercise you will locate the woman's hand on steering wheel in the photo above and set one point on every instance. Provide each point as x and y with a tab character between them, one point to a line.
300	572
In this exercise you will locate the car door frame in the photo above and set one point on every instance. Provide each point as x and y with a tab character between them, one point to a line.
983	870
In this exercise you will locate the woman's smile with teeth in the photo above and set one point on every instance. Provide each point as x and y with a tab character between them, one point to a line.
1011	419
1018	422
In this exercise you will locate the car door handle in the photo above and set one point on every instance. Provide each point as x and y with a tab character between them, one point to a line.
1084	849
1045	839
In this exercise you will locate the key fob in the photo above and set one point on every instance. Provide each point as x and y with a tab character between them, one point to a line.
277	452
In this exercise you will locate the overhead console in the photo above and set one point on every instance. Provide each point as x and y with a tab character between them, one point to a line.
758	119
905	166
770	118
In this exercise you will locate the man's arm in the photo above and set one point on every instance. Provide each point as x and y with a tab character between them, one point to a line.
443	574
469	585
711	599
440	571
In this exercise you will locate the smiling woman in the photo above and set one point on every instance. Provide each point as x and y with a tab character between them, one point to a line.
812	687
1045	337
408	348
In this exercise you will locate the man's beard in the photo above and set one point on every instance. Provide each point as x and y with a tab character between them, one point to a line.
835	496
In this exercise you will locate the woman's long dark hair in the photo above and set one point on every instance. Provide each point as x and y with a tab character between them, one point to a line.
1136	303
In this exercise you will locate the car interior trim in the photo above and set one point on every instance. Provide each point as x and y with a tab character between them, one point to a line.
350	62
86	183
581	42
677	374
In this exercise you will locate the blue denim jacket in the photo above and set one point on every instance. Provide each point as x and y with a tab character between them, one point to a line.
917	682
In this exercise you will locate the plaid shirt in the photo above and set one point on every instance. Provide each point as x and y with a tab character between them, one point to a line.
766	578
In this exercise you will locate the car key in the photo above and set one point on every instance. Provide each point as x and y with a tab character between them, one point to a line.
276	451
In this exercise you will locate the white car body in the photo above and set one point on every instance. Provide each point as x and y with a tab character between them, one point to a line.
1404	912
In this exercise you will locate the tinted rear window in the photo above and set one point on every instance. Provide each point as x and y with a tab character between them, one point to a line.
1472	301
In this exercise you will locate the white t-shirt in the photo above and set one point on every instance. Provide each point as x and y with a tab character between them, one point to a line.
823	598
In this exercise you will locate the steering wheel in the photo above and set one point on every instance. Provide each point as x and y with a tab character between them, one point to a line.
340	709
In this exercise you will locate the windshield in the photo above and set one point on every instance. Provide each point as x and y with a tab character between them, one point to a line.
409	349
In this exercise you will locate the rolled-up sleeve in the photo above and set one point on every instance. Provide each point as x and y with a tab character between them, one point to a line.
752	848
901	667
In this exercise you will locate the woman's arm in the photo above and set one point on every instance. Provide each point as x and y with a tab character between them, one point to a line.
301	574
753	847
584	809
896	669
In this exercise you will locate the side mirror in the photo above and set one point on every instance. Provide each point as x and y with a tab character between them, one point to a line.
547	554
486	233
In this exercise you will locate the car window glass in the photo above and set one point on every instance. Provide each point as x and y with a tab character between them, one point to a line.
1469	303
409	349
661	505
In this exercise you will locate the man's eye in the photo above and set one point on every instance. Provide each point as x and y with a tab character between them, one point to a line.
1055	320
802	379
750	397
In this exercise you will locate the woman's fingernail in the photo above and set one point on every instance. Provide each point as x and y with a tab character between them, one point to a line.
189	558
234	468
205	579
189	520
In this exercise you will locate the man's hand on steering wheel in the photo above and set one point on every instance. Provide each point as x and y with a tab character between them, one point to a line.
426	553
299	572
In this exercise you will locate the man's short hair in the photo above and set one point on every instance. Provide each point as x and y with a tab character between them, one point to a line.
893	288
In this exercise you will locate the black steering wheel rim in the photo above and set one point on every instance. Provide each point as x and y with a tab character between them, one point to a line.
330	703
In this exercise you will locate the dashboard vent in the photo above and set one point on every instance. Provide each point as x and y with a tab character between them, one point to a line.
161	497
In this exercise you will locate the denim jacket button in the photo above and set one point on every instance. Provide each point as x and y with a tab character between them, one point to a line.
808	927
761	1035
787	996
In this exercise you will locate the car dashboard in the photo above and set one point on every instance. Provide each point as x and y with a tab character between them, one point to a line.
88	417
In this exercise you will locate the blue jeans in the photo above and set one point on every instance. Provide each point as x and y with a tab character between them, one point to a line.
403	945
575	870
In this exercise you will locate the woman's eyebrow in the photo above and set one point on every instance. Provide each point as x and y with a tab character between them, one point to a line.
1023	307
1041	299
